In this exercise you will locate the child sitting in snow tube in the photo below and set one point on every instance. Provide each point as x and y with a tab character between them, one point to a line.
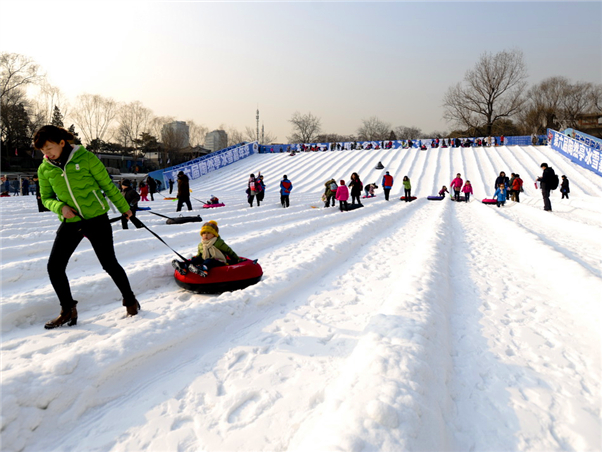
213	252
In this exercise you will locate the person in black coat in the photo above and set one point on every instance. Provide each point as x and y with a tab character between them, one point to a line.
501	179
356	188
132	198
170	186
183	191
564	187
41	207
152	187
546	180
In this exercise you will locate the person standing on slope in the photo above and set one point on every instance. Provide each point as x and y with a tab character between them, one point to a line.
456	186
183	191
72	182
286	186
548	182
387	184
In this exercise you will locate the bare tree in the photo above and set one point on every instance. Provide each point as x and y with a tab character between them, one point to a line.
408	133
305	128
576	101
492	90
133	119
157	123
93	115
197	133
16	72
373	129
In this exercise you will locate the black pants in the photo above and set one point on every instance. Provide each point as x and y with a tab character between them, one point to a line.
68	236
284	200
41	207
124	220
152	198
457	194
565	195
467	196
343	205
328	200
408	193
183	200
355	196
386	190
250	198
545	193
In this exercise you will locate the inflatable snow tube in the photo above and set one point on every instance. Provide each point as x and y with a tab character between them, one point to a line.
435	198
211	206
403	198
144	208
373	196
489	201
170	199
222	279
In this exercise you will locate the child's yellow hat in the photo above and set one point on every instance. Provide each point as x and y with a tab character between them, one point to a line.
211	227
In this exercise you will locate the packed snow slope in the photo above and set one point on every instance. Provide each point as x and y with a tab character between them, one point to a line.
422	326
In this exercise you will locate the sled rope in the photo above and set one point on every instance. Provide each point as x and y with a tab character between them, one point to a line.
139	224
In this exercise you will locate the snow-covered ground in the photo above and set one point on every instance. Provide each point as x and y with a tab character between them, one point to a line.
430	325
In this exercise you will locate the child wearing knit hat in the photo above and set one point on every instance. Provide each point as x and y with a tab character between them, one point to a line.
212	252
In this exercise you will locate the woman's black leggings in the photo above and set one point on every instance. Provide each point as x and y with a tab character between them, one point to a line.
100	234
354	197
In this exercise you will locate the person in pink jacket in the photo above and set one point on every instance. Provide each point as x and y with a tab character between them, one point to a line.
456	186
467	190
342	195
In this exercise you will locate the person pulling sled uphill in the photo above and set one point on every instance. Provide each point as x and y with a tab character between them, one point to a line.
72	182
564	188
212	252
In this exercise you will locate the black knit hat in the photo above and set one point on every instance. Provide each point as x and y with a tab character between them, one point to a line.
126	183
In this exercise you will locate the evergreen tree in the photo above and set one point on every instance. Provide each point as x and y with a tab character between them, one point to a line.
76	140
57	118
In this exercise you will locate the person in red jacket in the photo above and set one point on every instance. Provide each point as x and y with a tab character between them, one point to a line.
342	195
387	183
517	187
456	186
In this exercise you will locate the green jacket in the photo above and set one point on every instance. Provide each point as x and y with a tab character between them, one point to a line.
80	185
407	185
221	245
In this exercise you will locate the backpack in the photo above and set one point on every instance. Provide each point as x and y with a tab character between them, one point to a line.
554	181
258	186
333	186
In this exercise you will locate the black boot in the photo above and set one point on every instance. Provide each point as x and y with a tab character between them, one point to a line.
68	316
133	309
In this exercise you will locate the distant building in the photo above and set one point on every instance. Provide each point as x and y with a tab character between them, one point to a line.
216	140
175	135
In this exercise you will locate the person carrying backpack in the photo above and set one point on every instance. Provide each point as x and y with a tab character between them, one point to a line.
548	181
330	192
387	184
286	186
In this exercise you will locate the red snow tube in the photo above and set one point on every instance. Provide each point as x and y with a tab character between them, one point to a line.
210	206
489	201
222	279
412	198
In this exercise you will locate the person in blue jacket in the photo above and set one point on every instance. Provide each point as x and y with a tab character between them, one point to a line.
500	195
286	186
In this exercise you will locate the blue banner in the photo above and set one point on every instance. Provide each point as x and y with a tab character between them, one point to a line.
586	139
583	155
204	165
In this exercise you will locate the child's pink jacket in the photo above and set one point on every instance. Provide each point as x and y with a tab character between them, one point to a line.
467	189
342	193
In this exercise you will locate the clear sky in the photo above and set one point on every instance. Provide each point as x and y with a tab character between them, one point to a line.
216	62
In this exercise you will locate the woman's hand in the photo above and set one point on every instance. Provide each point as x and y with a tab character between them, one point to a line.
128	214
68	212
